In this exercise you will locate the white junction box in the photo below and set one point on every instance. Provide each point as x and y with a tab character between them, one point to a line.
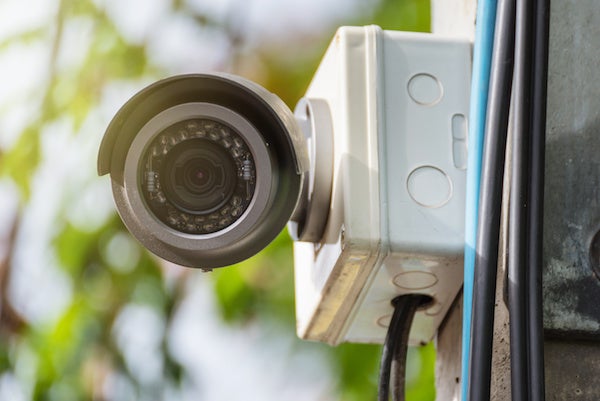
399	108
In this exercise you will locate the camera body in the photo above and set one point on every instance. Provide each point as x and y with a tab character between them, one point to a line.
206	169
368	173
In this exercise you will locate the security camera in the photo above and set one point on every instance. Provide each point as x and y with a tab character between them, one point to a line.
206	169
369	170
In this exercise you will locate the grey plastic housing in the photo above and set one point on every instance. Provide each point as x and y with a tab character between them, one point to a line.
267	125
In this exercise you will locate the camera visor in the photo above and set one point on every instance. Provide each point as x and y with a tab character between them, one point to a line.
198	176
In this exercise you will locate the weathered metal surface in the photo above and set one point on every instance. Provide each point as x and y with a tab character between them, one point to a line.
572	197
572	371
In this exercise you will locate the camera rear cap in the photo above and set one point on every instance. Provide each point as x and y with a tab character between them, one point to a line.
310	218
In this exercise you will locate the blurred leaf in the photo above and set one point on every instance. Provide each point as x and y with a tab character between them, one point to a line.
261	285
60	349
20	162
357	367
404	15
73	247
73	8
23	38
289	78
236	298
422	387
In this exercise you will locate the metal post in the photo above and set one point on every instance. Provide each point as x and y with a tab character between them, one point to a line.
572	211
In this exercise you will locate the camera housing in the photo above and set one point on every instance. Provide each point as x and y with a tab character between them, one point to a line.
206	169
398	105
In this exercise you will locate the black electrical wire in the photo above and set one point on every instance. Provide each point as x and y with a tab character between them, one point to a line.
387	352
400	350
395	347
536	200
490	202
518	229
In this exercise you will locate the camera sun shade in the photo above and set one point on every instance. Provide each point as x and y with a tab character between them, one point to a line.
206	169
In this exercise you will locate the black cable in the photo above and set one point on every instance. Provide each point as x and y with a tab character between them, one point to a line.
389	344
400	350
395	347
536	200
518	229
490	203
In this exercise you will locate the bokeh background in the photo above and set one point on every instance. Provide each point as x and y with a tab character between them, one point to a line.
85	312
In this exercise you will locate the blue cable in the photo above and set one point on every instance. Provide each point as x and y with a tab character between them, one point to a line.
482	56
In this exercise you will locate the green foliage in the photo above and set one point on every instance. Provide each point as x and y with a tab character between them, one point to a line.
21	162
262	285
420	384
262	288
69	357
357	366
73	246
81	341
404	15
73	92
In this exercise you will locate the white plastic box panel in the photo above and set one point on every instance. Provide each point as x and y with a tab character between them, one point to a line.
399	104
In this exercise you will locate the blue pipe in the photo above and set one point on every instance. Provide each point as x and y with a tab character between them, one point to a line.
482	56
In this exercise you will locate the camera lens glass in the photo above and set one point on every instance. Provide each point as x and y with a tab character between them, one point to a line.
198	176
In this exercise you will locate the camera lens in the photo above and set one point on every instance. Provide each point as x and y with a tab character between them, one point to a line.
198	176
